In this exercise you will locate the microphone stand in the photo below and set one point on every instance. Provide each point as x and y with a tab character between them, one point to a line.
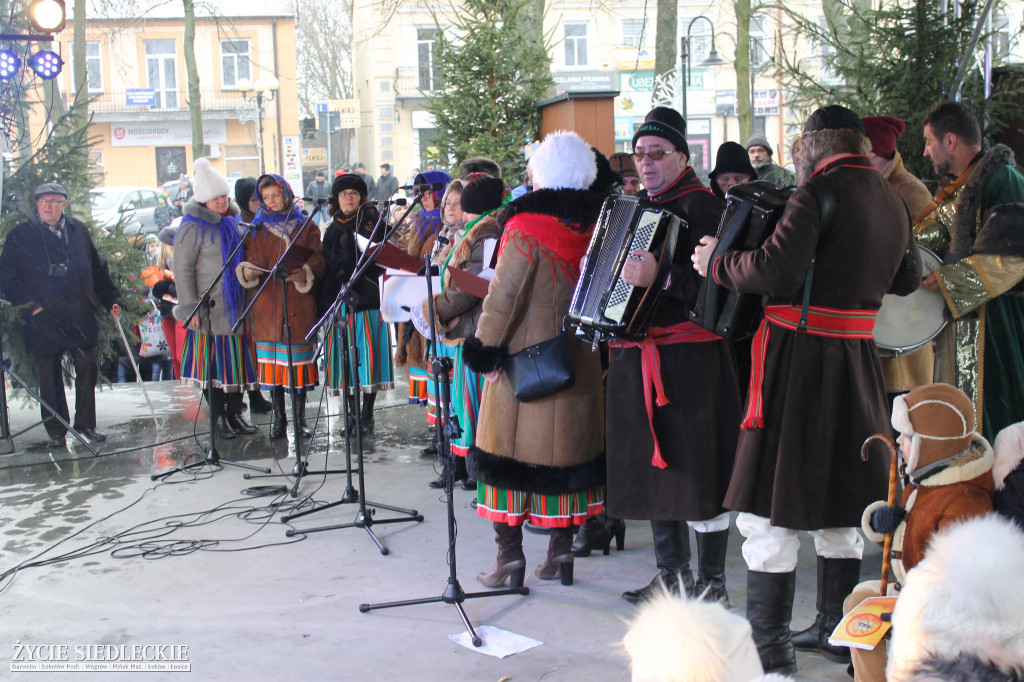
278	271
440	368
203	307
350	355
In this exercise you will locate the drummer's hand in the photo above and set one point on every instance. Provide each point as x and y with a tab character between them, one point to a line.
639	270
702	254
492	377
930	282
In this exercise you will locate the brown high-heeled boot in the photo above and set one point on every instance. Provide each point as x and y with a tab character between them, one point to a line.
558	562
511	562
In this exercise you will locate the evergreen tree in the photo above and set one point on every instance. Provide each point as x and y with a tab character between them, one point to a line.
893	60
62	156
493	71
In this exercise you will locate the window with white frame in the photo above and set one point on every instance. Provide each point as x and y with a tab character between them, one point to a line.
575	39
235	61
93	66
825	52
162	72
1000	37
426	50
633	32
759	41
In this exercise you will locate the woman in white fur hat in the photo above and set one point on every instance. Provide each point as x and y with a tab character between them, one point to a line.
203	243
538	461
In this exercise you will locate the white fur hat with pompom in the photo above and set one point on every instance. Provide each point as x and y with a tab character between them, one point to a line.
208	183
563	161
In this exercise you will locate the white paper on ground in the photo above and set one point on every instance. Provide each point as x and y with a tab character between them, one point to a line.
497	642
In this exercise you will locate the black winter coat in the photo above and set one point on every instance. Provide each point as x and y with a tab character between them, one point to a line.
31	267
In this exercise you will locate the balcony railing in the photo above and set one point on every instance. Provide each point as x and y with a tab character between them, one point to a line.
128	101
412	82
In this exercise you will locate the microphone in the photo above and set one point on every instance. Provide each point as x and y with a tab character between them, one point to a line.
396	202
319	201
252	226
433	186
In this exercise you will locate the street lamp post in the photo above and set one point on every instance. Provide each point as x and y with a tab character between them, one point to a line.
684	51
264	90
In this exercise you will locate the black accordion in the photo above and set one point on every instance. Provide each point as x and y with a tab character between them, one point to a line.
751	212
602	304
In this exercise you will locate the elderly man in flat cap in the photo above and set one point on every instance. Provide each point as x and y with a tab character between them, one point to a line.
50	263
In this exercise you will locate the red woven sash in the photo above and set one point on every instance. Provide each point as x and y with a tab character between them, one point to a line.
831	322
650	366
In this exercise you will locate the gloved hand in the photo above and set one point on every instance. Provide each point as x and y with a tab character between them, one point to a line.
886	519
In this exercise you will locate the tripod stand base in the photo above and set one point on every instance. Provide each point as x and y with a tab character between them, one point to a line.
453	594
6	446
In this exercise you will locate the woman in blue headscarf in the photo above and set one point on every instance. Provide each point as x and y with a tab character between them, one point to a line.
283	221
411	351
204	242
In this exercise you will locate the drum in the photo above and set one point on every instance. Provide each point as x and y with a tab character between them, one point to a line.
905	323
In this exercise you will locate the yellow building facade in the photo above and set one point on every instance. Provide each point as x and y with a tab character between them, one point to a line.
141	125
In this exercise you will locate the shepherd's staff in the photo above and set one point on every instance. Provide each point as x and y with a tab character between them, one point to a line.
116	313
891	500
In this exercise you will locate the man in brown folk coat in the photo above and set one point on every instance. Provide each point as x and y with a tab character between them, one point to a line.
669	460
816	392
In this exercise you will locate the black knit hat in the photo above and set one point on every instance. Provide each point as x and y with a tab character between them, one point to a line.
731	158
834	117
666	123
482	195
244	189
346	182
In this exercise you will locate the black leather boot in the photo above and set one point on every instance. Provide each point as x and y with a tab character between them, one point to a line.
558	562
711	548
594	534
511	561
234	416
836	580
459	469
366	414
672	554
258	404
769	610
220	423
303	427
278	420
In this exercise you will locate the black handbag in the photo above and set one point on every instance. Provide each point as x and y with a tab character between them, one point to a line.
542	369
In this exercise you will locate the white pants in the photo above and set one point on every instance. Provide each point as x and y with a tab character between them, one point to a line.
770	549
712	525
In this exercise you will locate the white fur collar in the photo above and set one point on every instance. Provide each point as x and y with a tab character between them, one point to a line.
1009	451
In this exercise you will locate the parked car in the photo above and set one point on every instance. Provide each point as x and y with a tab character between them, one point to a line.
109	204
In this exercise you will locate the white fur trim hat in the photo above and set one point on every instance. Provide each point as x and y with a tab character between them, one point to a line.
563	161
938	419
689	639
964	597
208	183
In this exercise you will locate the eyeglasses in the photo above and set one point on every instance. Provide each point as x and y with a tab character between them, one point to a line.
51	202
349	194
655	155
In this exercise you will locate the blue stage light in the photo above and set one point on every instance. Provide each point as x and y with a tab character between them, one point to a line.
46	64
9	64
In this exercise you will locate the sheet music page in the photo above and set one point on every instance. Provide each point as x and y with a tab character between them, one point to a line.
489	246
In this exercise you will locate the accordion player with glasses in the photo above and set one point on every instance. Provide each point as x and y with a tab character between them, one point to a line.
603	306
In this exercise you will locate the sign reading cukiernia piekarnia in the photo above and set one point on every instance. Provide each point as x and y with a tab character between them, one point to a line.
164	658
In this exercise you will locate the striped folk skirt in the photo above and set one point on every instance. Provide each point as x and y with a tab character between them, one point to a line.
376	372
467	387
516	507
442	351
234	360
273	366
417	385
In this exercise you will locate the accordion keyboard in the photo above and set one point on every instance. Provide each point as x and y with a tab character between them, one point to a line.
642	238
